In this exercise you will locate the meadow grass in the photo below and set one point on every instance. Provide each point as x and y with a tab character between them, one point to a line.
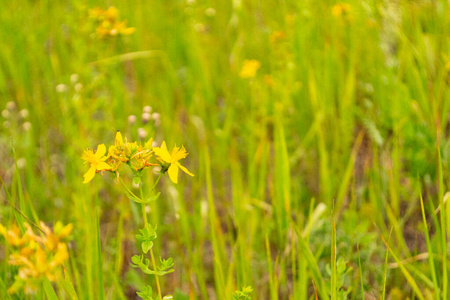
320	173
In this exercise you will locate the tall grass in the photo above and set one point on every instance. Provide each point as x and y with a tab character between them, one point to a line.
350	106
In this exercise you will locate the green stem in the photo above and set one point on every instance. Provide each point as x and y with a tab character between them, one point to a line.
128	190
144	213
156	182
156	276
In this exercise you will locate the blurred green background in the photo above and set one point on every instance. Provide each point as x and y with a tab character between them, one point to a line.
348	109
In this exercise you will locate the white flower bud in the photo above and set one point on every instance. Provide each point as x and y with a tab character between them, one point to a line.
26	126
210	12
145	117
5	114
11	105
21	163
142	133
74	78
61	88
132	119
78	87
24	113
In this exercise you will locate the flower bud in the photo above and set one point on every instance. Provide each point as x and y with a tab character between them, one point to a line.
142	133
74	78
11	105
78	87
210	12
61	88
24	113
145	117
132	120
26	126
5	114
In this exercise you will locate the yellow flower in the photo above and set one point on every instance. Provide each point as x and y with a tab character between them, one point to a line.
40	256
277	36
249	68
108	22
13	236
341	9
96	160
165	157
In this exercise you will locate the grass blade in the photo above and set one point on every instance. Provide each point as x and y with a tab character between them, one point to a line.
430	251
405	272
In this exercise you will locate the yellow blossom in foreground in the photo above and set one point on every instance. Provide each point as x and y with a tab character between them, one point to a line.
172	158
13	236
249	68
96	160
36	256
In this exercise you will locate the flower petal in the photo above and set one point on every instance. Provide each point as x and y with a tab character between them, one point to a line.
162	152
103	166
89	175
173	173
178	153
101	150
119	140
185	170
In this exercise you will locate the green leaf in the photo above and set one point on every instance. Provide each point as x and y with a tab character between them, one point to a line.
132	197
147	236
49	291
149	199
136	259
152	198
243	294
147	245
146	293
136	180
165	264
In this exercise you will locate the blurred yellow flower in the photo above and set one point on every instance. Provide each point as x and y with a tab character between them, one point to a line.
268	80
13	236
341	9
165	157
36	256
108	22
249	68
277	36
96	160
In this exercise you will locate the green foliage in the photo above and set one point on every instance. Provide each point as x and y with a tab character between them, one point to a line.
139	261
243	294
147	236
146	293
284	107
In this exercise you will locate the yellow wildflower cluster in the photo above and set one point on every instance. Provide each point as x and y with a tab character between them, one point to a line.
136	155
108	22
36	256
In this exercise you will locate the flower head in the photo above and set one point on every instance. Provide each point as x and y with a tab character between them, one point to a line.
172	159
250	68
96	160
